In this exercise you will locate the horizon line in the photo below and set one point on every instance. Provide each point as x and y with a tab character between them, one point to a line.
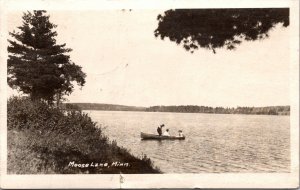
175	105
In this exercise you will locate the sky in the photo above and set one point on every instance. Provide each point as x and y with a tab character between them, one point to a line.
125	64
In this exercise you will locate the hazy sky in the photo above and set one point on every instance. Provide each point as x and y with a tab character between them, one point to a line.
125	63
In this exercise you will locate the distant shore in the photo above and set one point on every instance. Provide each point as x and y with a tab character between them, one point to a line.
268	110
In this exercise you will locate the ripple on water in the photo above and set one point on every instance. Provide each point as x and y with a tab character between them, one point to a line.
214	142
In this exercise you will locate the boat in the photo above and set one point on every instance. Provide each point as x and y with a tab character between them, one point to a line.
146	136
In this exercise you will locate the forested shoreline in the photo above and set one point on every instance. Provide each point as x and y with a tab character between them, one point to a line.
268	110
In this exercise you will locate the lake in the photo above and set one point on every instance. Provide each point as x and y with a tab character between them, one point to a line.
214	142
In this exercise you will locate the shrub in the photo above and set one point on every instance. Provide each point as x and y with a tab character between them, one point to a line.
43	139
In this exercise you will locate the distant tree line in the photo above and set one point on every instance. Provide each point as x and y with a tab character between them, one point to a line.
270	110
96	106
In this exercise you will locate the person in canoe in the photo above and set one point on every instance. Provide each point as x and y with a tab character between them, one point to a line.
180	134
166	133
159	129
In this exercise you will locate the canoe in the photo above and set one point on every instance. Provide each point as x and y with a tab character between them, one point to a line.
146	136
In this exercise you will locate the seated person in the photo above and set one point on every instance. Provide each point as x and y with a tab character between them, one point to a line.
180	134
166	133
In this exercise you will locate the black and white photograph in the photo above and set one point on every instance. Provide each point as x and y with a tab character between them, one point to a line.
181	93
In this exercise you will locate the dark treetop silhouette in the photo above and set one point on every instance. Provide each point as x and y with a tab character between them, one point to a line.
37	65
216	28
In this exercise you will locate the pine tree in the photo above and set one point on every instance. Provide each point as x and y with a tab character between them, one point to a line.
36	65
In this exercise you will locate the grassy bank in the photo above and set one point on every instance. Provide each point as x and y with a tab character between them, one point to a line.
42	139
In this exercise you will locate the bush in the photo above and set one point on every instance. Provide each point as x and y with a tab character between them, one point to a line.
43	139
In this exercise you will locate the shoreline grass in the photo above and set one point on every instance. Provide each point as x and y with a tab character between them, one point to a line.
45	140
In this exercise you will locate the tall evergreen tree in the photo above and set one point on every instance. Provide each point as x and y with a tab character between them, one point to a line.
36	64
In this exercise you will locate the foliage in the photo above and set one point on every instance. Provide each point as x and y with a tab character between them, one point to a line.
216	28
36	64
271	110
97	106
42	139
68	106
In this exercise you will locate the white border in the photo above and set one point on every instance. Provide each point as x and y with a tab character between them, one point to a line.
142	4
228	180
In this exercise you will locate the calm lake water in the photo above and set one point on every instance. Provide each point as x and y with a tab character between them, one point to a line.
214	142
